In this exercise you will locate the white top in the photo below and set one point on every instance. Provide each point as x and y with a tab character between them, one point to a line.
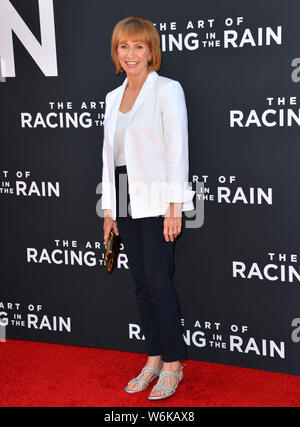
122	121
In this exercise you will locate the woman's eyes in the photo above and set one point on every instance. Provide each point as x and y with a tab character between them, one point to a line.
123	46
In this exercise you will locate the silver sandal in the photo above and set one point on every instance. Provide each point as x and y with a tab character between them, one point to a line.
139	382
168	390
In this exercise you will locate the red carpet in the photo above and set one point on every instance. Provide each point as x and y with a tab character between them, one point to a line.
39	374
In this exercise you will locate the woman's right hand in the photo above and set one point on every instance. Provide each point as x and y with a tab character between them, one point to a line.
109	224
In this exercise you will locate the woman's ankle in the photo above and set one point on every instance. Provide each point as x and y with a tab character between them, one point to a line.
155	361
171	366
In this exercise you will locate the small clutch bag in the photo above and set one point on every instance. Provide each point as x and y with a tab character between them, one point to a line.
112	250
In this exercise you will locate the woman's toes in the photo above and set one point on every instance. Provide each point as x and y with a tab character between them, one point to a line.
156	393
131	386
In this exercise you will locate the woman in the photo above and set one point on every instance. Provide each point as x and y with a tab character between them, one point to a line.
146	142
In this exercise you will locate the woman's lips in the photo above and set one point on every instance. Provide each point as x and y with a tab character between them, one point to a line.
131	63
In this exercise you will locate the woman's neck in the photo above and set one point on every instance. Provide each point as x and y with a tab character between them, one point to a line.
136	82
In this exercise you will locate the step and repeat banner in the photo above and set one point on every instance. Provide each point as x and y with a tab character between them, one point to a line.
237	259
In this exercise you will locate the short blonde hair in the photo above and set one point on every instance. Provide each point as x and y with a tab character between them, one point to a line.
139	29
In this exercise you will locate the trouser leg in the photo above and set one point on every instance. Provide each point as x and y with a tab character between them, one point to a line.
158	256
131	236
151	260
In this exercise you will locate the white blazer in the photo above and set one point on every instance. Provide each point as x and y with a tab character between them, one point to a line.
155	146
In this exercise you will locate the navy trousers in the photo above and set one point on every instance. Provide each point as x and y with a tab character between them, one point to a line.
151	261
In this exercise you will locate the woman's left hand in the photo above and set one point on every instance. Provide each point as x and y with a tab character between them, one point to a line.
173	221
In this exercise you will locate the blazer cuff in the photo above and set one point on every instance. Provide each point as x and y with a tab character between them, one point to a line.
179	193
105	200
105	204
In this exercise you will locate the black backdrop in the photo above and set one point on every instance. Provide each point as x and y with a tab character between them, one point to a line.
237	275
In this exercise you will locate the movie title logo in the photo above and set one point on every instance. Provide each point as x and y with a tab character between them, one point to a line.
32	316
279	112
226	190
66	115
217	336
74	253
21	184
279	268
229	33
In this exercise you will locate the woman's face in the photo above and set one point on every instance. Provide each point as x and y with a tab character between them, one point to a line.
134	57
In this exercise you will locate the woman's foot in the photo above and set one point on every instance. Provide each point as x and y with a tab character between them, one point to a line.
169	380
154	362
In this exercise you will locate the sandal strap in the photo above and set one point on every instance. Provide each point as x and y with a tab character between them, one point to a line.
148	369
166	388
138	380
164	374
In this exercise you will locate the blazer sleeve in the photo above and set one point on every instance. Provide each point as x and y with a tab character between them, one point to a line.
175	128
106	197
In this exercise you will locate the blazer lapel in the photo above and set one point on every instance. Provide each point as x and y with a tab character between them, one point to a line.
113	113
142	96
